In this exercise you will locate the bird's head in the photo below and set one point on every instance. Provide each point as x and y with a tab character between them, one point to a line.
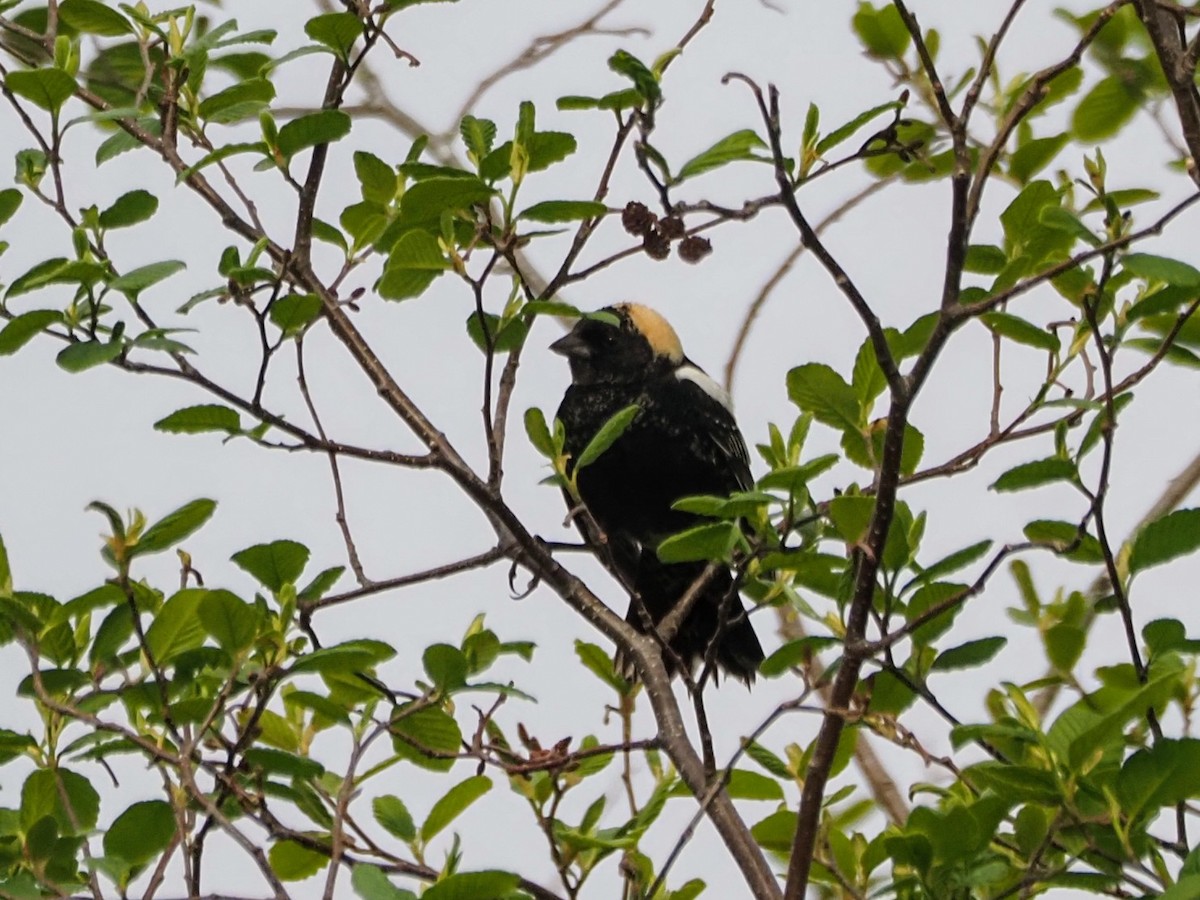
642	343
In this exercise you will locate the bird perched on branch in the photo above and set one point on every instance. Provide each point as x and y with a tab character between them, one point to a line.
683	441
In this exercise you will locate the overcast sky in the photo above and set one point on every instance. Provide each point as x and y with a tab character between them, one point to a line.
71	439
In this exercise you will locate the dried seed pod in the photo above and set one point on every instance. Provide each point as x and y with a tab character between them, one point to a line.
637	219
656	245
694	248
672	227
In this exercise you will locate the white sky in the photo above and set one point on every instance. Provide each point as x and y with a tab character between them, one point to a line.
70	439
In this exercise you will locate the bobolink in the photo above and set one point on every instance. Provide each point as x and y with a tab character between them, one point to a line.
683	441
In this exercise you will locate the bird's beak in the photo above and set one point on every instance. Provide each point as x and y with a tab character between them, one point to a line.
572	346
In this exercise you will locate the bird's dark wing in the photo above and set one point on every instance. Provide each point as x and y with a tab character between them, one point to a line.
618	552
713	424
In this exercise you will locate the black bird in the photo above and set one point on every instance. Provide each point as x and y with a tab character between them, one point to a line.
683	441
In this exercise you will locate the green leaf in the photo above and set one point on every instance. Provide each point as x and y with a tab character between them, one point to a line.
276	731
958	560
881	31
617	100
418	250
197	419
446	666
1122	198
1095	429
453	803
41	274
63	794
608	434
293	313
174	527
6	587
134	282
738	146
776	832
510	335
338	31
295	862
478	135
229	620
414	263
393	815
244	100
22	329
274	564
1068	221
14	744
129	209
60	271
1064	645
486	885
93	17
563	210
1160	268
321	584
1175	534
10	201
1020	783
82	355
842	132
818	389
768	760
322	127
48	88
1017	329
429	728
1034	155
217	155
1100	717
1021	219
712	541
323	231
794	653
600	664
345	658
1187	887
851	516
424	202
932	596
176	627
377	179
1163	775
624	63
1102	112
372	883
1061	535
985	258
1036	473
282	762
545	148
535	427
969	655
325	711
112	634
746	785
141	832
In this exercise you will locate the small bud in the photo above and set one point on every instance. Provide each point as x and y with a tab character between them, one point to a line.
694	248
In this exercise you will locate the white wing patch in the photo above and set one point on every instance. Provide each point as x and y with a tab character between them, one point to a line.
706	384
